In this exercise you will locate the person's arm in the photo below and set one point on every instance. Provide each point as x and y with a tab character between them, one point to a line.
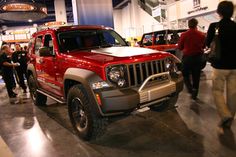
181	43
5	63
204	39
10	64
210	34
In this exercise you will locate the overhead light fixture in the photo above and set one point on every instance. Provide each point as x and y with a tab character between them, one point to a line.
55	23
30	20
13	10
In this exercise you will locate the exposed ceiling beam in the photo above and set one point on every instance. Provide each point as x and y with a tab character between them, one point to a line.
118	6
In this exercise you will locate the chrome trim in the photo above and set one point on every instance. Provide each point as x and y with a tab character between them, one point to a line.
62	102
154	102
163	89
154	76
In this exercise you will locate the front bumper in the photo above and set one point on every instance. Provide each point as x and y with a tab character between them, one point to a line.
124	100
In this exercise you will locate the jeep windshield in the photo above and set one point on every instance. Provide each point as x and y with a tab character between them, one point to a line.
71	41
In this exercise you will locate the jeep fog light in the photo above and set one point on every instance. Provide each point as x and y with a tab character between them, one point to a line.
121	83
100	84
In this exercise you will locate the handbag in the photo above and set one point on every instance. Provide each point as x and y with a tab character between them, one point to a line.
214	53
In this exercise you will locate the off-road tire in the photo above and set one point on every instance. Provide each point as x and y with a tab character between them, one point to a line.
165	105
86	124
38	98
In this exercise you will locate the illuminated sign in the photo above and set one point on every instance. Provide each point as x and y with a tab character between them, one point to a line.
18	7
55	23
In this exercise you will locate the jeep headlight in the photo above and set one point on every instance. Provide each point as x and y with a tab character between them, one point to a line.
117	75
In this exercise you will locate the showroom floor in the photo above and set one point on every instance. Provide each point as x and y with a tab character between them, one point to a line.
190	130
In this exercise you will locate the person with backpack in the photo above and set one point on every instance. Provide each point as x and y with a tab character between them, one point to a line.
224	68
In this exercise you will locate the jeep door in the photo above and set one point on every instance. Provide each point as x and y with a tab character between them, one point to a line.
47	61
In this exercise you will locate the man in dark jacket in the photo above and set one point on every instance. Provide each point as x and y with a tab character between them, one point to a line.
192	43
20	56
224	69
7	69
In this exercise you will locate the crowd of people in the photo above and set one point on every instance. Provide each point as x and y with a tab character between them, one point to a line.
13	68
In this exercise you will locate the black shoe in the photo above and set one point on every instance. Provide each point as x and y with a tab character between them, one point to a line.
194	94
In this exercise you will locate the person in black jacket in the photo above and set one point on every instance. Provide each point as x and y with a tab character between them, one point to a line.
224	69
20	56
7	69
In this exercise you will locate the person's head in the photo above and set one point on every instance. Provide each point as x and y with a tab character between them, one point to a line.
192	23
17	46
225	9
6	49
25	48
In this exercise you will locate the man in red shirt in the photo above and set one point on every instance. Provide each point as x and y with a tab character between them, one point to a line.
192	43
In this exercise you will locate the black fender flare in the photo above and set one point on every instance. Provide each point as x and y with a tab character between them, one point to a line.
30	67
85	78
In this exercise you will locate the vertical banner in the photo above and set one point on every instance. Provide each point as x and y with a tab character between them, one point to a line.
95	12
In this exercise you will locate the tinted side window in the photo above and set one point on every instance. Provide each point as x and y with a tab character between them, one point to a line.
161	39
147	40
48	42
30	46
38	44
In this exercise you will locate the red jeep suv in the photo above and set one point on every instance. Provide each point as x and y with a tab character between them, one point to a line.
95	72
163	40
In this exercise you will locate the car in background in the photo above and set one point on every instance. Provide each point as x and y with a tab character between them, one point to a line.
163	40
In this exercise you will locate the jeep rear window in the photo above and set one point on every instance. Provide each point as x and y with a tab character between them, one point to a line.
88	39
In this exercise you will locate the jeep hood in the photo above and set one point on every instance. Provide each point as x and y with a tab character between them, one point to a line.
113	55
124	51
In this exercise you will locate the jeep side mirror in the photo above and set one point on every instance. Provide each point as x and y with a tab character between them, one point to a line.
45	52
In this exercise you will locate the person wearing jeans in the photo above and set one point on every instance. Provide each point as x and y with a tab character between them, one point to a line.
224	69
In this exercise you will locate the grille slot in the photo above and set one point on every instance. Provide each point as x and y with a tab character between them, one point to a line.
138	72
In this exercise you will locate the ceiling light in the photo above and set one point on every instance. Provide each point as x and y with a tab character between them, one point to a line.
12	10
30	20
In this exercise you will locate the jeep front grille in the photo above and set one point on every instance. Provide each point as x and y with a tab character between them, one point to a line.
138	72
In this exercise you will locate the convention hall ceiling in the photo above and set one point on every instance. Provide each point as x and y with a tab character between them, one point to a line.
117	4
50	11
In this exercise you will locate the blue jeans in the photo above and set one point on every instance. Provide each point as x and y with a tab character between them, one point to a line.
224	91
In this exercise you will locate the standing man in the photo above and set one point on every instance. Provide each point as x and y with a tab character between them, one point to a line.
20	56
7	69
192	43
224	69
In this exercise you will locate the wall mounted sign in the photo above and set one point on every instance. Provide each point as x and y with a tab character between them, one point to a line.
196	3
